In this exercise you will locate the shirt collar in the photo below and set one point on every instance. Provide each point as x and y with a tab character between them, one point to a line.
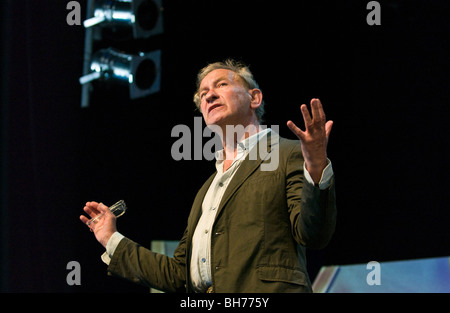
243	146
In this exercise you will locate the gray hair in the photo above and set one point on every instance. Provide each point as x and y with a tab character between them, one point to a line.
237	67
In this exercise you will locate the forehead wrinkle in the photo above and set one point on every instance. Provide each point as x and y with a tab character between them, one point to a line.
235	78
215	81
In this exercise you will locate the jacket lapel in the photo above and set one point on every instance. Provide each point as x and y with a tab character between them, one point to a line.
247	167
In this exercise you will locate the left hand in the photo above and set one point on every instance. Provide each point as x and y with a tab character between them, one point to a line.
314	139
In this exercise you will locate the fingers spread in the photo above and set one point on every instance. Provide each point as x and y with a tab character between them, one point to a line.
328	127
315	122
317	110
297	131
306	117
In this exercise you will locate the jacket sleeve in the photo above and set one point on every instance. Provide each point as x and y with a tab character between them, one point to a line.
312	211
138	264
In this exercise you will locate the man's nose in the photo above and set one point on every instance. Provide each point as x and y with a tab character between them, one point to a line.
211	95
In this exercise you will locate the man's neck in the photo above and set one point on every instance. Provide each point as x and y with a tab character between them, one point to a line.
232	134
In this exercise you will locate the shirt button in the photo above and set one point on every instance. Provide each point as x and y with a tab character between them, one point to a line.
220	184
206	231
203	260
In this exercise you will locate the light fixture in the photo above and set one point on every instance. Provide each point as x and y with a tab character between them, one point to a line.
141	72
143	16
130	63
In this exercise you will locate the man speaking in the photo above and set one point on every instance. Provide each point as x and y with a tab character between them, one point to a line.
249	227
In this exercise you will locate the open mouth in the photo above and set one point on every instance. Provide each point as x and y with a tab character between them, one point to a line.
214	106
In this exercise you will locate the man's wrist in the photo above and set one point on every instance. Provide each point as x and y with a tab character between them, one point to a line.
105	239
113	242
316	169
325	176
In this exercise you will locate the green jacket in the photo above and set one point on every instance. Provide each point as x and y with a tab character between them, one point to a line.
264	223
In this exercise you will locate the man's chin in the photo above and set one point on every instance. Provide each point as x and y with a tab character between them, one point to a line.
217	121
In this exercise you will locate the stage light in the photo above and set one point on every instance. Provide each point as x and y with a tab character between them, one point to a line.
141	72
143	16
125	28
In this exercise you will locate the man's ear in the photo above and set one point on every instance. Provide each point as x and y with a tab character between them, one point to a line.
256	98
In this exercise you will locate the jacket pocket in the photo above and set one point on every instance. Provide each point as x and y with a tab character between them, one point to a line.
282	274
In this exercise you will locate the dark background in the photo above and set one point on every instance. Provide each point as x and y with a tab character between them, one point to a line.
385	87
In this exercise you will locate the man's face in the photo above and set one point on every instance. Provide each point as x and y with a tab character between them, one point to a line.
224	99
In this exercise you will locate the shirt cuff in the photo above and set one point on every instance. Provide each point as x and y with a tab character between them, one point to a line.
111	246
325	180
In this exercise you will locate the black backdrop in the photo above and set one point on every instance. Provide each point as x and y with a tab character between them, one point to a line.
386	88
